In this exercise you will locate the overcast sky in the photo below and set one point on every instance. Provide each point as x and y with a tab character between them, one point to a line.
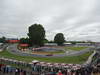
76	19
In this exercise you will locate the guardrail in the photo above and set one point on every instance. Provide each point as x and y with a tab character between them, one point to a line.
89	61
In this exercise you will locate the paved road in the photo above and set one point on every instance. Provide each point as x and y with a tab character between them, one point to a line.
13	49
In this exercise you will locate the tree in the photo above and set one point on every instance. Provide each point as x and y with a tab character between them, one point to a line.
24	40
45	40
36	34
59	39
73	42
51	41
3	40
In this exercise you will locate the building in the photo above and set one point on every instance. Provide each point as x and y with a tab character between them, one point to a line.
50	44
23	47
13	41
1	44
83	44
67	44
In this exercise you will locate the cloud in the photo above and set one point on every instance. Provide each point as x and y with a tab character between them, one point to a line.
77	19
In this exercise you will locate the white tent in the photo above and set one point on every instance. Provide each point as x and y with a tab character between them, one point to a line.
35	61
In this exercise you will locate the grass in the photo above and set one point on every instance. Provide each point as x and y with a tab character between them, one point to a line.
75	48
57	52
68	59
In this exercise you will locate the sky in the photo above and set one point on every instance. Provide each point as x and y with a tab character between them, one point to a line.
76	19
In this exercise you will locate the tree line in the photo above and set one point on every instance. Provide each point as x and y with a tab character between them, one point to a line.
37	37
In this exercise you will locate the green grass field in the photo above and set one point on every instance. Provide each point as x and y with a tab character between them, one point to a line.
75	48
68	59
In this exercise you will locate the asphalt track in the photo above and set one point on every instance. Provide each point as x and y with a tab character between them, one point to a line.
13	50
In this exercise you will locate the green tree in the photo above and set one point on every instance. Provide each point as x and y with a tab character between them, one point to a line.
3	40
45	40
59	39
73	42
24	40
51	41
36	34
